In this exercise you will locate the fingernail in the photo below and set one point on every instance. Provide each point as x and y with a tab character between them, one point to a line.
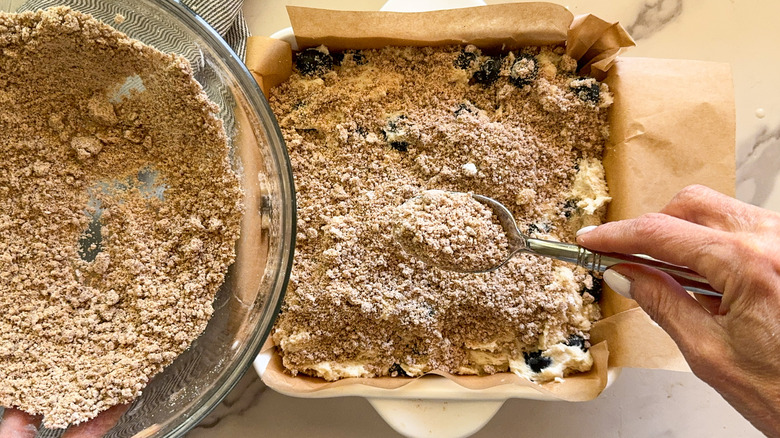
584	230
618	282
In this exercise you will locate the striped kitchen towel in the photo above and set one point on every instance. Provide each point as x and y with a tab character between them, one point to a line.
224	16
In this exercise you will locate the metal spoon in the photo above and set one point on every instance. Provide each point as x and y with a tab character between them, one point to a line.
590	260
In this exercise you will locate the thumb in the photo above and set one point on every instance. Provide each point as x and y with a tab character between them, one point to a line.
19	424
98	426
668	304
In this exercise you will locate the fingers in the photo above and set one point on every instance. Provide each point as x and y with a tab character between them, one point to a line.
98	426
18	424
668	304
710	303
705	250
704	206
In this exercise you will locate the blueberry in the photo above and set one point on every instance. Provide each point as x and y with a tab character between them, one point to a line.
586	89
523	70
536	361
488	71
576	341
465	107
464	60
395	133
313	61
396	370
400	146
356	56
539	228
394	123
595	290
569	207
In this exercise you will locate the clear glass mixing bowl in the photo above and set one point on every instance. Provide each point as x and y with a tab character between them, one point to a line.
247	304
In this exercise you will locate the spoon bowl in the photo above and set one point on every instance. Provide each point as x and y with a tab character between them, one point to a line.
572	253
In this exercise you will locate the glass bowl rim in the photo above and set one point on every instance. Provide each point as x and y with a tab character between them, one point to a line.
256	99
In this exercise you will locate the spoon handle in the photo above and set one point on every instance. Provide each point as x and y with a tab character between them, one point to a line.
599	262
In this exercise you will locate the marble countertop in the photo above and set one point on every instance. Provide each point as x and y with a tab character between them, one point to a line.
641	403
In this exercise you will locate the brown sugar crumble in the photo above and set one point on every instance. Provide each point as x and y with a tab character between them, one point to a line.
369	130
119	211
451	230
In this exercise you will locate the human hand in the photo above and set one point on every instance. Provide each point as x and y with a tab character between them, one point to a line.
18	424
733	342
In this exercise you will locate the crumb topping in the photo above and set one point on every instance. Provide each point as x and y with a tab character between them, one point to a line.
451	230
369	130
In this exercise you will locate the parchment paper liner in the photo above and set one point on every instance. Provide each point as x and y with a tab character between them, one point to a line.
672	124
